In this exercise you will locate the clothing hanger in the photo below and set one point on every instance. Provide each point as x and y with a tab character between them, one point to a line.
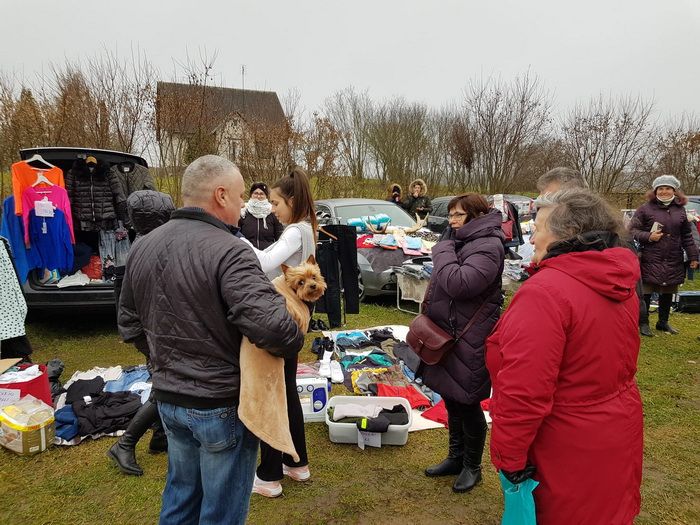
38	158
41	179
322	230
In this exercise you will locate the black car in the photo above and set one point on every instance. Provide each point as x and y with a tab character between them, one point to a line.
437	220
92	296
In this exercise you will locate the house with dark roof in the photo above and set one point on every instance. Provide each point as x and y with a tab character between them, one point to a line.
239	124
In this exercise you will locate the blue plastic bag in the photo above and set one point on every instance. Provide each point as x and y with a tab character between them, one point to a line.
518	501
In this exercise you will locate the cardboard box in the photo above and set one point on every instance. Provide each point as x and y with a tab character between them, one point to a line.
27	426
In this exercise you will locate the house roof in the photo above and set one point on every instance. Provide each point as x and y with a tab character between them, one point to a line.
180	108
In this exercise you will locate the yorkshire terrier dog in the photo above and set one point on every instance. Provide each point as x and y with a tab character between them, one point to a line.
263	402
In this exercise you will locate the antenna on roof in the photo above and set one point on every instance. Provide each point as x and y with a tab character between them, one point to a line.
243	82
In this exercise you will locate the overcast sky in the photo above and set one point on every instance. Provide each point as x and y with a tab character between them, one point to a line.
423	50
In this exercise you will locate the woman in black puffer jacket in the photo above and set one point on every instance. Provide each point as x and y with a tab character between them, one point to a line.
96	196
257	223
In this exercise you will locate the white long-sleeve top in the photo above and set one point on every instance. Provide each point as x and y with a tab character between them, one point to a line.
292	248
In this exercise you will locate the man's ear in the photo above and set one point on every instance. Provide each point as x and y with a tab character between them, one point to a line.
220	195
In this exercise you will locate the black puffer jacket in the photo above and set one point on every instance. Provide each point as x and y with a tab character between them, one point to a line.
97	200
254	230
192	289
148	209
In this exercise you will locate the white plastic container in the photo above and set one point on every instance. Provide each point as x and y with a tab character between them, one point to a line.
347	432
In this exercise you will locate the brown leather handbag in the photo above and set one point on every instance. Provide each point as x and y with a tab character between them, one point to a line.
431	342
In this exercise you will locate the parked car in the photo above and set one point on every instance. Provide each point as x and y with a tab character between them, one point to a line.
95	296
437	220
338	211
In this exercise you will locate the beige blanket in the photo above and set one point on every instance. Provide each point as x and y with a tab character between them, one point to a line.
263	401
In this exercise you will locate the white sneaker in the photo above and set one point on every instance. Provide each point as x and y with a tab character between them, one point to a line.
296	473
269	489
336	372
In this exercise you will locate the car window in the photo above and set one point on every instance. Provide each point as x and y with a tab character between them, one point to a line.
440	208
397	215
693	206
323	214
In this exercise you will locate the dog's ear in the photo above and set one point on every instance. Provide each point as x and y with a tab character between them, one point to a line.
311	259
284	268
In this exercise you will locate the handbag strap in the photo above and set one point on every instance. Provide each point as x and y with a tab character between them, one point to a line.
471	321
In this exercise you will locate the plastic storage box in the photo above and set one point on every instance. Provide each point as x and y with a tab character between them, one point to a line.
347	432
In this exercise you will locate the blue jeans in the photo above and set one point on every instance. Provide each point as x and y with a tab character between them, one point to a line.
211	465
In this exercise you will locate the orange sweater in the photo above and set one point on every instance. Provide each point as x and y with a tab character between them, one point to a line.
24	175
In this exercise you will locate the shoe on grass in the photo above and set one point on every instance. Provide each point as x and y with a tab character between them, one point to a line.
269	489
665	327
297	473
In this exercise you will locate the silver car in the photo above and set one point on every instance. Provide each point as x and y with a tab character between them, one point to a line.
338	211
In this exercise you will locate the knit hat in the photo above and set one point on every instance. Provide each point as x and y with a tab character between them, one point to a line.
260	186
667	180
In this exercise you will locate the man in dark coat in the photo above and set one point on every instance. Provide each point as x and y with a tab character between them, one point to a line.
662	229
466	282
192	290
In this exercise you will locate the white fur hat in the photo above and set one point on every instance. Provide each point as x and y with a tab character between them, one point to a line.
667	180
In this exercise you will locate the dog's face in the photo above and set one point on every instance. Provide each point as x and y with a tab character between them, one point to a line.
306	280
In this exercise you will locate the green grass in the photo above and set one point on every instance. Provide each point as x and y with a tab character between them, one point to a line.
79	485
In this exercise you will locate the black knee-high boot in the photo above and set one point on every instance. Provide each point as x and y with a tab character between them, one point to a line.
665	300
452	465
123	451
474	424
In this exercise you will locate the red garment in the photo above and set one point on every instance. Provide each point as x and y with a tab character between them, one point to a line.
438	413
486	404
562	361
363	241
415	398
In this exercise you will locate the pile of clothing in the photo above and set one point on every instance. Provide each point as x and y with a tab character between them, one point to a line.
99	402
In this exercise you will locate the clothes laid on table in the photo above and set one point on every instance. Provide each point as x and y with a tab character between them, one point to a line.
374	359
106	412
12	303
84	387
407	355
96	197
24	175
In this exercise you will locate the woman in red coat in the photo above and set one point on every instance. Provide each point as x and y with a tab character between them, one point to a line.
562	361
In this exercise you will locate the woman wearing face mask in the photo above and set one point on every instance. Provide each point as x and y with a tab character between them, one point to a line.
662	229
466	282
257	223
293	205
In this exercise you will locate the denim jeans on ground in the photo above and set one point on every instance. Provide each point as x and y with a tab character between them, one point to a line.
211	465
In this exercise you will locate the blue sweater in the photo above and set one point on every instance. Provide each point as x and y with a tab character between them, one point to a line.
13	230
52	243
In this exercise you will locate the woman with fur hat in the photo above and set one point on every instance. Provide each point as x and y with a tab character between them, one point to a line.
257	223
393	194
662	229
418	201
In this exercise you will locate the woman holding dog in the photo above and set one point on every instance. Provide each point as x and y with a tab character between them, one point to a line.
466	282
293	204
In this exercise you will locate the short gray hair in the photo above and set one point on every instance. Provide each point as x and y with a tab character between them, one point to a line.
203	173
578	211
568	178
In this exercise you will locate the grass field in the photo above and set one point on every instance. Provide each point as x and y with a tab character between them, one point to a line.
79	485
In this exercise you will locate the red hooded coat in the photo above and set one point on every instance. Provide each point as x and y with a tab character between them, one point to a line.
562	361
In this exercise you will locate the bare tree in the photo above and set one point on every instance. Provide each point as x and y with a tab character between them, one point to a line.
503	120
349	112
397	136
605	139
679	152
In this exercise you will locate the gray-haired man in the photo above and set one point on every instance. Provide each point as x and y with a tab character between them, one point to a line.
192	289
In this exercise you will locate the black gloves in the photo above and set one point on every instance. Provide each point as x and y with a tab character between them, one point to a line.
520	475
